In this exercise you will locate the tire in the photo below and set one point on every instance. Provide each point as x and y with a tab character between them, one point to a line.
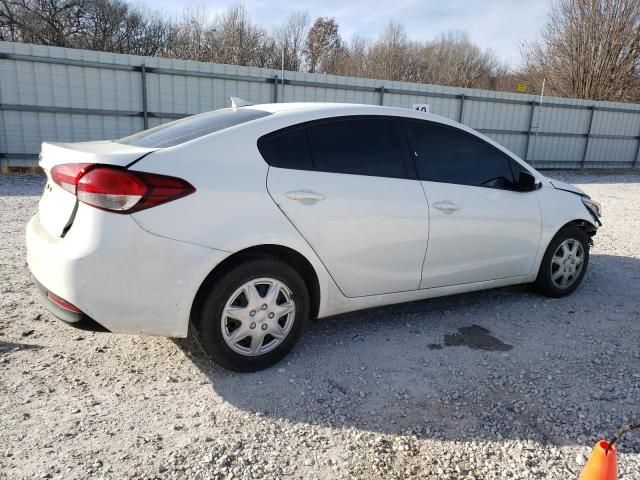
228	292
555	268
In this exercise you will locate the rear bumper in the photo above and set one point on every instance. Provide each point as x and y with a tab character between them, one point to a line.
74	319
121	277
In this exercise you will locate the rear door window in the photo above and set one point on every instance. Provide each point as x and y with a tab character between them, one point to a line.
287	149
358	146
448	155
185	129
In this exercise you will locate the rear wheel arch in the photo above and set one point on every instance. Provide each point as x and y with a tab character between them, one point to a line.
288	255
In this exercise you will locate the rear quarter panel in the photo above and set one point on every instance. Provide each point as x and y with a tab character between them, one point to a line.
231	209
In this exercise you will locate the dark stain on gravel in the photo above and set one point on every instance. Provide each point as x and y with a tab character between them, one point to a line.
476	337
14	347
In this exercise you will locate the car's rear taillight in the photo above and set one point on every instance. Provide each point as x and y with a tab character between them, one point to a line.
68	174
117	189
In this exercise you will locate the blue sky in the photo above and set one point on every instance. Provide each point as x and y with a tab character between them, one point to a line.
498	24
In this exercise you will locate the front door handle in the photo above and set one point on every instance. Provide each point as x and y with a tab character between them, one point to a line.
305	196
446	206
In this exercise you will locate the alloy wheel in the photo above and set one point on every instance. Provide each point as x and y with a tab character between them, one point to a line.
258	316
567	263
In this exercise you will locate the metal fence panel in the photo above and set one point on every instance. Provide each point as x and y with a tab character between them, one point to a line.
517	143
611	150
67	95
616	123
557	149
561	120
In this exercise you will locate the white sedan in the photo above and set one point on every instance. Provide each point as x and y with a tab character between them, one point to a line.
245	222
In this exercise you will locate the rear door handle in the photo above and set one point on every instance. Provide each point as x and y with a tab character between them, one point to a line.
305	195
446	206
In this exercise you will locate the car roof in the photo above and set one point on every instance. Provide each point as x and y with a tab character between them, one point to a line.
328	109
315	106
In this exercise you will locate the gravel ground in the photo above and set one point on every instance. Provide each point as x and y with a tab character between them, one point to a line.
502	384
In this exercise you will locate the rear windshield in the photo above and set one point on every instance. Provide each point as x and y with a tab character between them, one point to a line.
185	129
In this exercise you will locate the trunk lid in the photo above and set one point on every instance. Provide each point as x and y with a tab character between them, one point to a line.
57	206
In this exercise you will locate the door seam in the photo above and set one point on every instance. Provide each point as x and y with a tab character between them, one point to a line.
426	250
266	185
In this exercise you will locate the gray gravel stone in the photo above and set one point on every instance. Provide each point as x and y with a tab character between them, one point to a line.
376	404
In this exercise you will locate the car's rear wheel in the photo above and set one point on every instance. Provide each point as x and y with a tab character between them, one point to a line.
565	262
252	315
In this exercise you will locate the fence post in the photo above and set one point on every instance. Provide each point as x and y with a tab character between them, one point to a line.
531	114
637	156
275	89
461	115
282	82
4	162
382	95
145	112
586	143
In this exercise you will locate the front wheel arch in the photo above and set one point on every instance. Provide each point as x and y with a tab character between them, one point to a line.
587	227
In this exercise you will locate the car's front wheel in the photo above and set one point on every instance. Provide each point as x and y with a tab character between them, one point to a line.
565	262
252	315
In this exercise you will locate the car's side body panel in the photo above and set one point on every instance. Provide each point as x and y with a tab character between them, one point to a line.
140	273
243	214
232	210
558	208
370	232
491	234
341	304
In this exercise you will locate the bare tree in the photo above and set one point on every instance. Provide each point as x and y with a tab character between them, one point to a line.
156	36
235	39
289	37
358	59
108	25
113	26
232	37
387	56
355	58
455	60
48	22
323	46
192	36
588	49
452	59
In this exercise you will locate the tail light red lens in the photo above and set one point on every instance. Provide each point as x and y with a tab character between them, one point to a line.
68	174
110	189
117	189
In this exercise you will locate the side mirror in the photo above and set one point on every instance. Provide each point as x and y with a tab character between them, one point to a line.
526	182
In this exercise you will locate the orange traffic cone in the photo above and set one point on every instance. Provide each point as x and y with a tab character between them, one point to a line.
603	463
